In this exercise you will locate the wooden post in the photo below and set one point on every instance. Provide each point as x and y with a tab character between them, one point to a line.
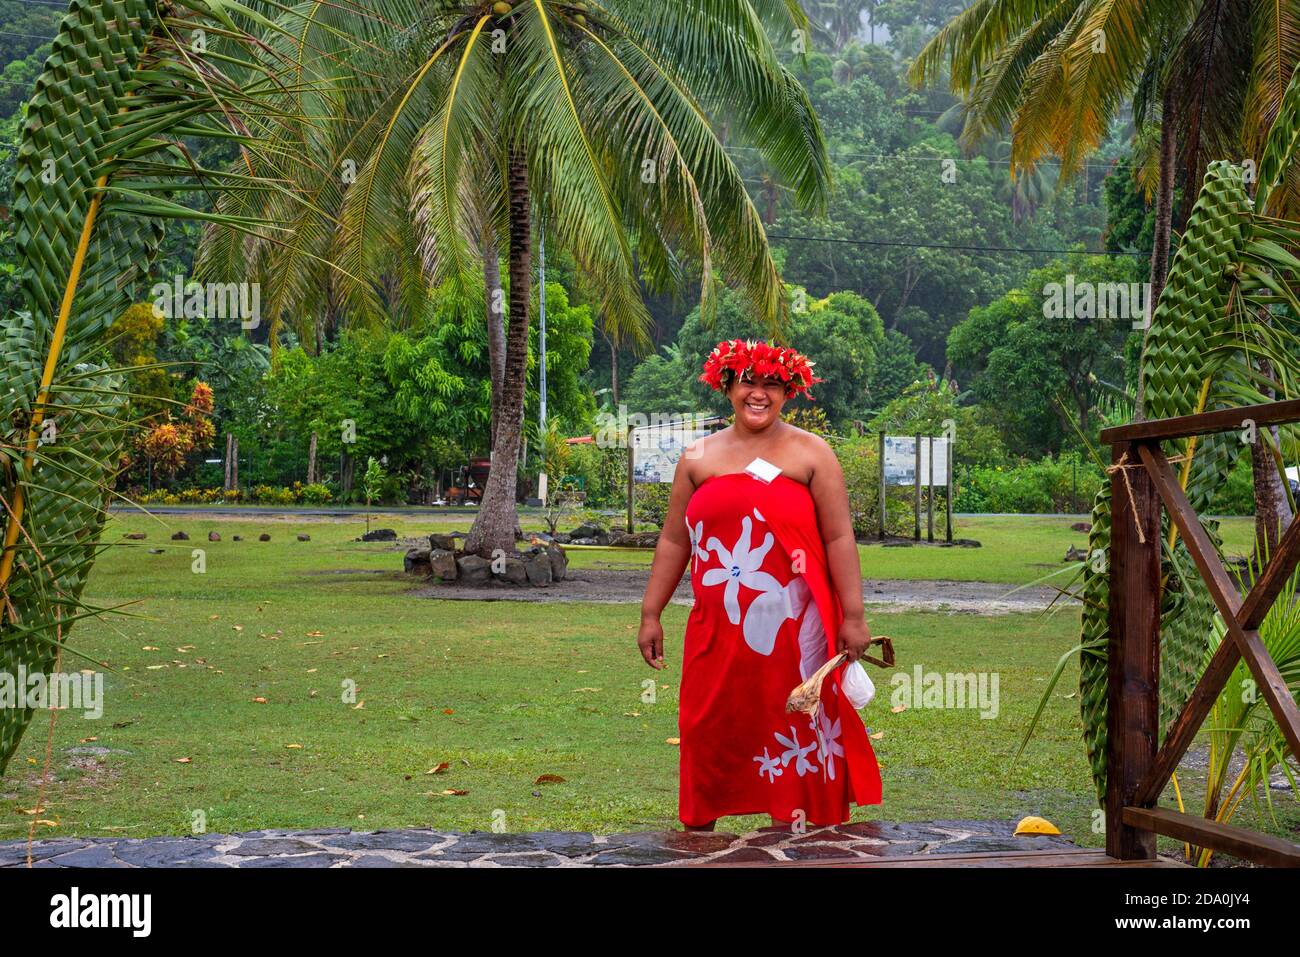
952	464
916	476
234	461
226	484
631	455
929	495
882	485
1133	649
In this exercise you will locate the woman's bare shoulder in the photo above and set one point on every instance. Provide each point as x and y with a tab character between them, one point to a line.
693	455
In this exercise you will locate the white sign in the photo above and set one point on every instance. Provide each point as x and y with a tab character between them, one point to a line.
656	448
900	460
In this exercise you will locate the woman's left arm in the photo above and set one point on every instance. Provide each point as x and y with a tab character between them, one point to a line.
831	496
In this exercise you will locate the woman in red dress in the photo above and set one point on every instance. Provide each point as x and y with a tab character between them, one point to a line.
760	512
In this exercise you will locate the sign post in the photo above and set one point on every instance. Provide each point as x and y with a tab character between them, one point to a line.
929	495
881	461
916	528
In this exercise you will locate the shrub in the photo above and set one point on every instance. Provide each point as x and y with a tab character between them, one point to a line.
316	494
1042	487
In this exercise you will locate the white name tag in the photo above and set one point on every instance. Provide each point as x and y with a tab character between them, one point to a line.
763	470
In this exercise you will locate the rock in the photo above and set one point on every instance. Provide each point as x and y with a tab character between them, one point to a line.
180	537
303	537
636	540
442	564
1084	527
264	537
135	536
559	562
236	538
967	543
213	537
588	530
380	535
514	571
416	561
474	569
564	538
537	566
444	542
1073	554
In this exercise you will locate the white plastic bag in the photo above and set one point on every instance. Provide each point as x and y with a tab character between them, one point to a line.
858	687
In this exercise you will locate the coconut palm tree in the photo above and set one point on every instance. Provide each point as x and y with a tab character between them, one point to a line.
468	128
1059	76
101	165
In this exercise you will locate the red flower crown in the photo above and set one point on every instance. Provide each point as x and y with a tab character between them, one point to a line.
733	357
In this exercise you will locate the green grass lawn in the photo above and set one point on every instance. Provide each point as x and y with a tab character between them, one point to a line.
502	692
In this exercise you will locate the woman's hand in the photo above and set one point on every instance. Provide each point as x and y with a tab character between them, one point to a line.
854	638
650	639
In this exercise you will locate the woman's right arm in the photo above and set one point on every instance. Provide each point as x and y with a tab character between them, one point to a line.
671	555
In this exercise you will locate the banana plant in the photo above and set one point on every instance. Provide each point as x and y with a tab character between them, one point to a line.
103	164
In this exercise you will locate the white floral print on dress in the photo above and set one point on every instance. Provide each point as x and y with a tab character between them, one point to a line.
740	566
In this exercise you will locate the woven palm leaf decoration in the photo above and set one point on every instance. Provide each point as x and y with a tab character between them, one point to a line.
99	169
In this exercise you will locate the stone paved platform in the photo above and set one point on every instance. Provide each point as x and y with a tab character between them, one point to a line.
341	847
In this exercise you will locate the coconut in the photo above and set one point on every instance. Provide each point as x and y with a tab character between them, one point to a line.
502	8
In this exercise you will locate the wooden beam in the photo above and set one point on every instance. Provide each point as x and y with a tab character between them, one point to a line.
1133	655
1249	845
1265	671
1205	423
1182	732
1270	584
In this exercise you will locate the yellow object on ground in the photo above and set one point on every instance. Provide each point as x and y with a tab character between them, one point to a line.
1036	825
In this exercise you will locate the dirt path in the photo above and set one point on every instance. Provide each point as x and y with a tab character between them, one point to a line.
617	586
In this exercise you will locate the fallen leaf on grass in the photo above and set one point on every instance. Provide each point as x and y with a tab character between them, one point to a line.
296	747
576	690
87	740
182	760
48	823
150	648
454	792
312	671
35	810
898	707
259	701
315	634
631	714
237	627
672	740
359	705
549	779
448	711
877	736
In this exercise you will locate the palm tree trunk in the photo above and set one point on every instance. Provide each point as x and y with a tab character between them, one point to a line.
494	526
496	326
1164	222
1272	510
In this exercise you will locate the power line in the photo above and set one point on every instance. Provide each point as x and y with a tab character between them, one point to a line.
925	159
958	247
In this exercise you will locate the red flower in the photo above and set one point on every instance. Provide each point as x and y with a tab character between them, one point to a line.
733	357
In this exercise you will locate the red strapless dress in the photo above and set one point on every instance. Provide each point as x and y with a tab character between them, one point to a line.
765	618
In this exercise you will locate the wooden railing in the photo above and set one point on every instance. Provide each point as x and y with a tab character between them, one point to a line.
1136	772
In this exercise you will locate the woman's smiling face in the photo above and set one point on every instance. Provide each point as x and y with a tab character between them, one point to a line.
757	400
